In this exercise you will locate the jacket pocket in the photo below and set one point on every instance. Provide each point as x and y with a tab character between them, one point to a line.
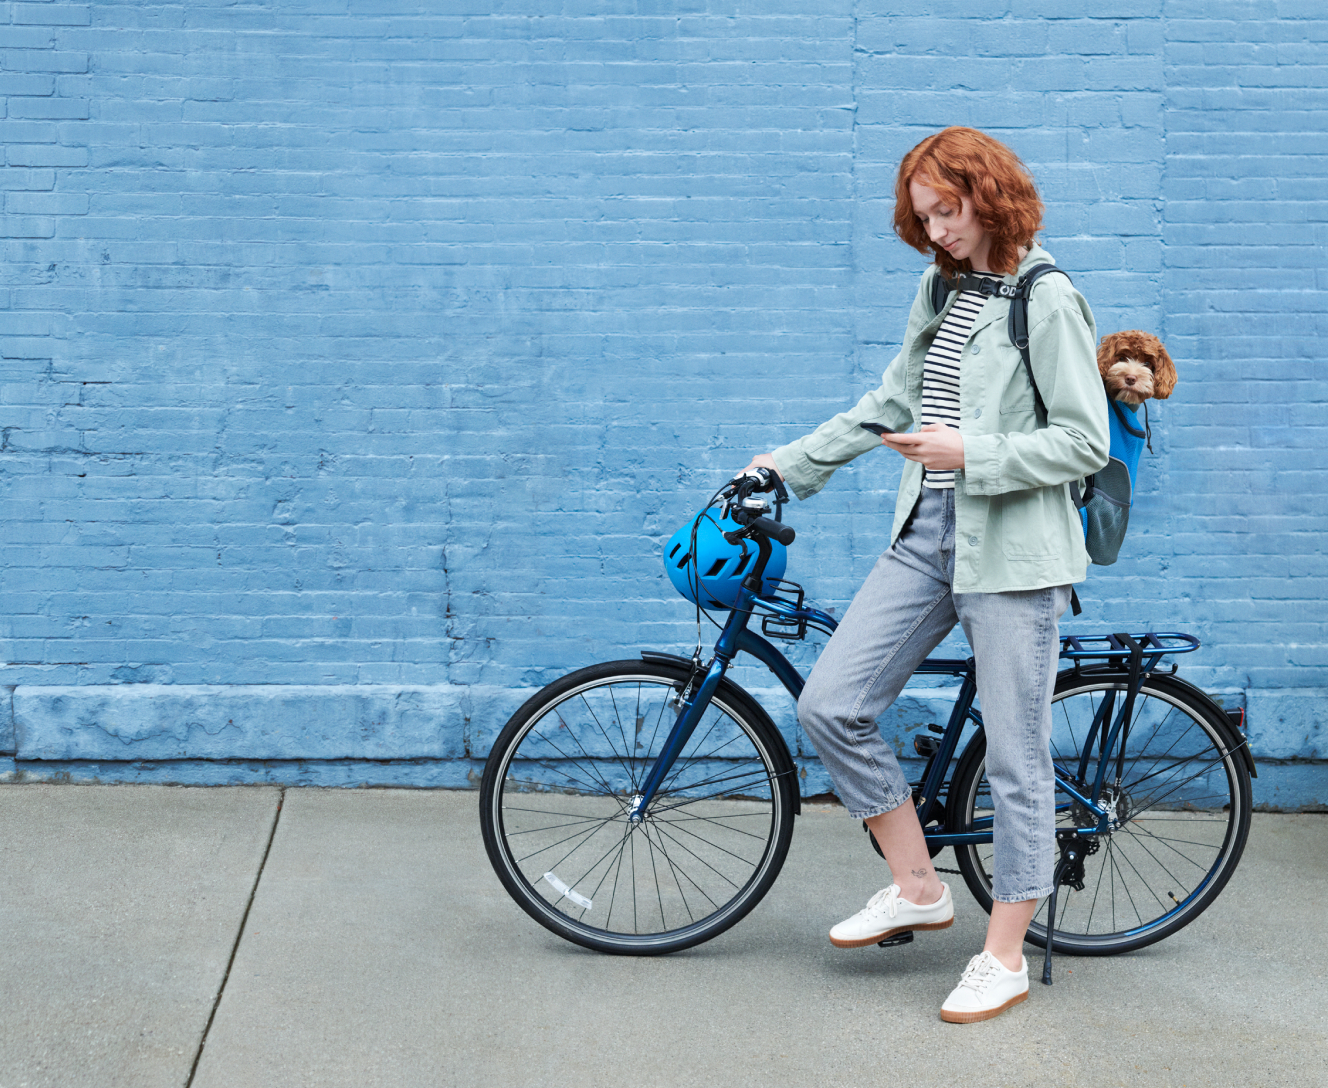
1032	522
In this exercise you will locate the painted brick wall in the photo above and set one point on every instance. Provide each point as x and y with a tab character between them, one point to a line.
359	357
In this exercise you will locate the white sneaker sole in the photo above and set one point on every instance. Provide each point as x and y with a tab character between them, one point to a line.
863	942
981	1014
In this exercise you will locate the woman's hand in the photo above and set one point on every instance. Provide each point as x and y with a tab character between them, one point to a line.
764	460
936	446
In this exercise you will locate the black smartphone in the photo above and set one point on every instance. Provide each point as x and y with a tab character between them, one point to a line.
877	428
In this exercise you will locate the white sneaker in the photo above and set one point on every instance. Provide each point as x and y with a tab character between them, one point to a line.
886	914
986	989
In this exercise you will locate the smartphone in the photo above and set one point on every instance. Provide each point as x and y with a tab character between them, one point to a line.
877	428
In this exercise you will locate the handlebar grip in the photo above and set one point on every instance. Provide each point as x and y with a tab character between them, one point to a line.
774	529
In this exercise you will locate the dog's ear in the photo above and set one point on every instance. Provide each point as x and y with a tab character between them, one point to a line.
1164	372
1108	351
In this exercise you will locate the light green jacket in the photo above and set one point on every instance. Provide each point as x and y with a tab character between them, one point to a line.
1016	526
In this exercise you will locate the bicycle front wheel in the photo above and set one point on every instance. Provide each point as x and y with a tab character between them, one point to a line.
560	782
1180	816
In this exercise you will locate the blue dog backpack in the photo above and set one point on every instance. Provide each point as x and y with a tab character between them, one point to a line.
1104	501
1104	504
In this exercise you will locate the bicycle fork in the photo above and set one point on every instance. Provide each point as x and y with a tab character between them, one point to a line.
689	717
732	638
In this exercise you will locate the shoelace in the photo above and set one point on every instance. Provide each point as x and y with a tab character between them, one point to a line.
887	897
980	971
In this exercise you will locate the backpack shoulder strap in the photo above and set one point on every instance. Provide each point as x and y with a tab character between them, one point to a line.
1018	322
940	292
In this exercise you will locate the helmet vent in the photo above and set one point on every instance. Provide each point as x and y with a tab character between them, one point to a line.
687	558
716	567
742	564
675	549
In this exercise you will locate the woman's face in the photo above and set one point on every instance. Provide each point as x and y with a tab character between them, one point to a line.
955	230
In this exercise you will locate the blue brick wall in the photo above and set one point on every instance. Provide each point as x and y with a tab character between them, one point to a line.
358	357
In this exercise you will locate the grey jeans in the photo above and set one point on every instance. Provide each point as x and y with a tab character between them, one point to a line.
903	610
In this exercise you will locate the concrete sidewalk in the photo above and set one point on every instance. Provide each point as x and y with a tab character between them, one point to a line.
225	938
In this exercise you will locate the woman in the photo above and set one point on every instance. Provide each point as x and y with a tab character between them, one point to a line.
985	534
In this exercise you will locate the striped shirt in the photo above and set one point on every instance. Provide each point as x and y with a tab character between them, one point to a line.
940	374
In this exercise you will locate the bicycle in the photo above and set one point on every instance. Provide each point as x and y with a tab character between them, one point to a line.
644	806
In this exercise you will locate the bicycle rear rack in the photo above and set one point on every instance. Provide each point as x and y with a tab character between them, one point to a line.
1081	647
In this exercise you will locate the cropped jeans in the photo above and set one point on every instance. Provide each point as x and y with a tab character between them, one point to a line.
902	612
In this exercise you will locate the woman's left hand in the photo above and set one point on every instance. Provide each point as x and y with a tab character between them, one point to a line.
936	446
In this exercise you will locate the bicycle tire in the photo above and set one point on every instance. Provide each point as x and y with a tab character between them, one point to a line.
712	843
1184	810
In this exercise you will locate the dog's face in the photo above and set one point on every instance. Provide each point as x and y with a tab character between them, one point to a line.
1135	366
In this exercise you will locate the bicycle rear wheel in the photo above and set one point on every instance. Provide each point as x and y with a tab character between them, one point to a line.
559	784
1182	814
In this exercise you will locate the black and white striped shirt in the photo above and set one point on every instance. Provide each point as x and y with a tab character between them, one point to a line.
940	374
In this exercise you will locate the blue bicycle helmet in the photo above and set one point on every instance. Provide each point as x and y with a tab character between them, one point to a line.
713	576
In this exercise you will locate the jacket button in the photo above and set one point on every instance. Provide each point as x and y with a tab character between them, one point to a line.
973	541
977	413
976	349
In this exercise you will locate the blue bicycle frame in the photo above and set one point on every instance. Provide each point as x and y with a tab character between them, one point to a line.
1145	652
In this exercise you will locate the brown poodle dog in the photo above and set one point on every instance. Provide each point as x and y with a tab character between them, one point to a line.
1135	366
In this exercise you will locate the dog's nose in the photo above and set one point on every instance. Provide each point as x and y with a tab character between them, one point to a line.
1129	381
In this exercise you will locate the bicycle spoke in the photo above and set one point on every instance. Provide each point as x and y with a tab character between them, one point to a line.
595	718
683	846
1097	889
717	819
636	926
1154	802
544	787
1147	886
752	777
622	849
1158	862
690	880
1167	841
713	845
627	748
691	918
733	783
604	785
622	839
695	746
553	827
585	839
659	892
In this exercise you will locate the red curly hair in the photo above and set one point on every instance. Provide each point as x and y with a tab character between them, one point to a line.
965	164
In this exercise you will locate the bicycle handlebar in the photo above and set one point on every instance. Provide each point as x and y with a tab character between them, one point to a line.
736	494
774	529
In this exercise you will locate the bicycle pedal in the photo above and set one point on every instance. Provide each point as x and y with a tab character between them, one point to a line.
899	938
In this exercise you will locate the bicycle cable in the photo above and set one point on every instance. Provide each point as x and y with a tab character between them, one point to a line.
694	570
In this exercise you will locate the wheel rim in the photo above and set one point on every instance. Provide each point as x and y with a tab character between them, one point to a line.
1176	811
567	784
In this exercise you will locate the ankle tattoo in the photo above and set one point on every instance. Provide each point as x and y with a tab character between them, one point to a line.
920	873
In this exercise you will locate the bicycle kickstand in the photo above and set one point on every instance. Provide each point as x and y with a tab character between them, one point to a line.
1069	870
1051	922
